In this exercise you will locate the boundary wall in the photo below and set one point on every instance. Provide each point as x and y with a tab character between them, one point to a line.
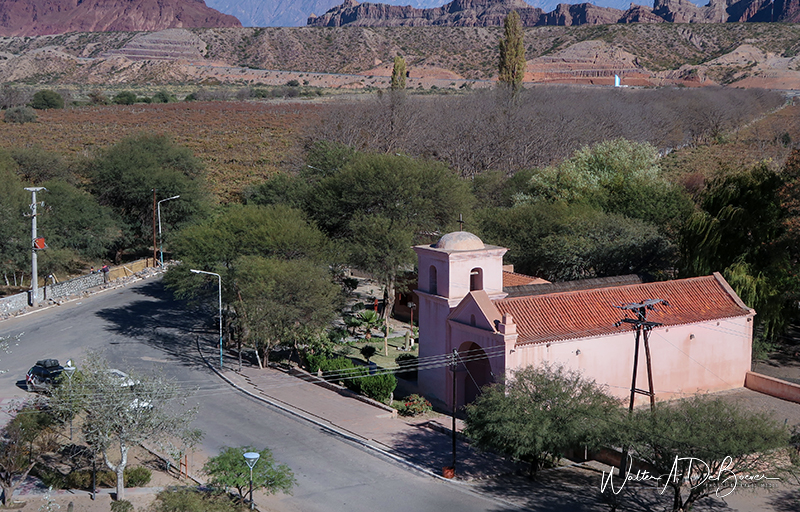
14	304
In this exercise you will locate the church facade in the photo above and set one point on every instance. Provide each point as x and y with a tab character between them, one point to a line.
700	340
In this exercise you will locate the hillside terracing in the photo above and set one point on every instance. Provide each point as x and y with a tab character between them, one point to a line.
171	44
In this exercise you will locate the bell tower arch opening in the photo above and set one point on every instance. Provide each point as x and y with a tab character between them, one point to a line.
476	279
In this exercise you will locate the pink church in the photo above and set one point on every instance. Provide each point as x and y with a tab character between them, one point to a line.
468	303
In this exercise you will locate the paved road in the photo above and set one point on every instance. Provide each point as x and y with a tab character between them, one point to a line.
140	327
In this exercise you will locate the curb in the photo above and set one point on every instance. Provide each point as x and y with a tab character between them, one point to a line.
330	428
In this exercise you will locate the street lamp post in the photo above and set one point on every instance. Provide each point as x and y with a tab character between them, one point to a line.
34	262
219	280
251	458
161	240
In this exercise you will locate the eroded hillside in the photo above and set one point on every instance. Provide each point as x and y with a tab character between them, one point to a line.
698	54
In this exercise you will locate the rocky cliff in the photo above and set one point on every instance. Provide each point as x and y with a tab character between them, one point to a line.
487	13
43	17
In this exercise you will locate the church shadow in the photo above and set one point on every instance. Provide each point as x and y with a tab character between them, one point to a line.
165	324
563	489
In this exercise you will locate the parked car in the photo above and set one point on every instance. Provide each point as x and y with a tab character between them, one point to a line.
44	374
124	379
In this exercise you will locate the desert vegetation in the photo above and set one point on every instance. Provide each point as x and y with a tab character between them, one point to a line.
490	130
577	182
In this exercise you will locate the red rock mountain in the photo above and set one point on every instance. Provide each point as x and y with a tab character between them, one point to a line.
487	13
43	17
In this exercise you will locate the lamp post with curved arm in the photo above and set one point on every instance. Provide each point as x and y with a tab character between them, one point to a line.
219	279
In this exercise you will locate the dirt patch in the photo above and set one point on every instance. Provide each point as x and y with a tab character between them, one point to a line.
34	495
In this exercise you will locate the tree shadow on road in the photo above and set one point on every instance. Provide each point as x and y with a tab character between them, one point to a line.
160	322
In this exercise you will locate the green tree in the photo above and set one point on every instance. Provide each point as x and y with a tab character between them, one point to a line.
125	175
512	52
540	412
399	74
37	165
562	242
229	469
378	205
275	267
46	99
75	221
690	440
283	301
117	416
326	158
276	231
164	97
125	98
617	176
14	228
739	230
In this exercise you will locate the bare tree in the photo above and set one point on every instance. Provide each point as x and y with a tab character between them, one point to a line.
121	412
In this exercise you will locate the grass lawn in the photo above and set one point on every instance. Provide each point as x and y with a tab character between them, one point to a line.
379	359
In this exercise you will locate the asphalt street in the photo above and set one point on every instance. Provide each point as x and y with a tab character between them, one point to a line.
140	327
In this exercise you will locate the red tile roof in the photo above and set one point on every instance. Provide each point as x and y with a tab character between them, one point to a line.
514	279
587	313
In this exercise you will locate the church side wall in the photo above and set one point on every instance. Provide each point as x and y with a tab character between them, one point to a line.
701	357
432	344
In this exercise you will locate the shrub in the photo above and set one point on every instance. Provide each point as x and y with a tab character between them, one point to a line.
293	83
378	387
96	97
125	98
320	362
185	499
137	476
106	478
51	478
414	405
164	97
20	115
121	506
368	351
45	99
81	479
408	366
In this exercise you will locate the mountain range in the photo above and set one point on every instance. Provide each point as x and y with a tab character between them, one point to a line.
488	13
42	17
292	13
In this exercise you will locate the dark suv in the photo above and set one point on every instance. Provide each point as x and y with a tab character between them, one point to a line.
44	374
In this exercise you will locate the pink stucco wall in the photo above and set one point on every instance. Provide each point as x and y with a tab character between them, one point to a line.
707	356
773	387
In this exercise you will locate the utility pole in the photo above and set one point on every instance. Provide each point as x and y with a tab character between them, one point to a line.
642	327
453	366
154	227
34	262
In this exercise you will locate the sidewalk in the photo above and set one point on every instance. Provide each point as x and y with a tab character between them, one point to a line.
416	442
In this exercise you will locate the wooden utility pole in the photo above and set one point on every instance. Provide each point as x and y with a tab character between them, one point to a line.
642	328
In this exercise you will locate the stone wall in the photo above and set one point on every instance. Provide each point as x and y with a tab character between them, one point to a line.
53	292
